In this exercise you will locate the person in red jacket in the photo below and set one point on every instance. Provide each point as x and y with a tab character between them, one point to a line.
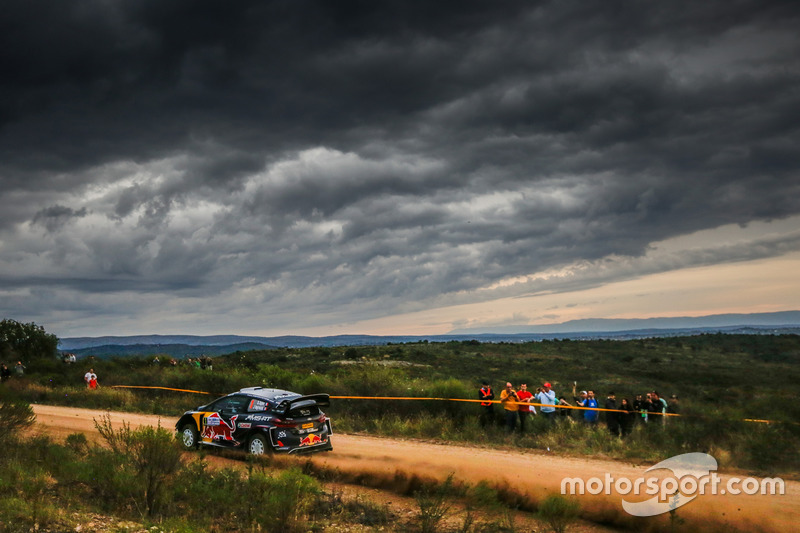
524	411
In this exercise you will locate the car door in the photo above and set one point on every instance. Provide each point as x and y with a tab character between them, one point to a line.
219	423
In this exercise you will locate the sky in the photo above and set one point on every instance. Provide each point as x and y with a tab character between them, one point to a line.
322	168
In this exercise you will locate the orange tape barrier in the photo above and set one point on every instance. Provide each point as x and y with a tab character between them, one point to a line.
456	400
162	388
495	401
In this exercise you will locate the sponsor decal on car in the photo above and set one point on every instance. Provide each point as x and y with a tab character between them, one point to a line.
245	425
216	428
257	405
258	418
310	440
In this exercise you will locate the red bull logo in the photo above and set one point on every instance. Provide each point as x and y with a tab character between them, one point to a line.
310	440
216	428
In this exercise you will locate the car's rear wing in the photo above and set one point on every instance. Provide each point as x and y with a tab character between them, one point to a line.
319	400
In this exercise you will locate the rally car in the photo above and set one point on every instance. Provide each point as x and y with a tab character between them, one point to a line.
260	421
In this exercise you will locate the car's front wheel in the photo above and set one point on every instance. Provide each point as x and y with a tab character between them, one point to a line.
188	437
258	445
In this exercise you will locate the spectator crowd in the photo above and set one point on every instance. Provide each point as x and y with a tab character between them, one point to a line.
519	405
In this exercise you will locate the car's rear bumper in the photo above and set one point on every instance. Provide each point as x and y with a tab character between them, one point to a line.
324	447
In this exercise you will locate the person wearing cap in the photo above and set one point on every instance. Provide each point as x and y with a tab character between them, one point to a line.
486	395
509	400
525	409
547	397
580	399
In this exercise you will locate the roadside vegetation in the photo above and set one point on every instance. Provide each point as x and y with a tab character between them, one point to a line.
720	380
138	480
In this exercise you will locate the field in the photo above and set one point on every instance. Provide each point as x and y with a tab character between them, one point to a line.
720	380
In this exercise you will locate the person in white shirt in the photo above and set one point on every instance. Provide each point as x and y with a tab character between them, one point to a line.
89	377
547	397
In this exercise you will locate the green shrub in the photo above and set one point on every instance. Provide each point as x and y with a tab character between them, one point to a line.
364	511
147	458
275	377
433	505
313	384
251	498
77	443
558	512
14	417
24	505
292	496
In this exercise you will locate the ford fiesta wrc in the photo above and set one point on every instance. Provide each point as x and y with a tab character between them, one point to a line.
259	421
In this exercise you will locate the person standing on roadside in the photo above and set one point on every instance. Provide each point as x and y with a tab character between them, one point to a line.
19	368
590	416
524	410
653	407
509	400
547	397
640	406
612	417
672	405
486	395
660	405
626	419
90	377
5	373
580	400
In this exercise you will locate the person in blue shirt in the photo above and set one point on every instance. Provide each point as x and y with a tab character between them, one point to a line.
590	416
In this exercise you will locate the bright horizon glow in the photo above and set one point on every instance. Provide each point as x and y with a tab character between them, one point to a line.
694	292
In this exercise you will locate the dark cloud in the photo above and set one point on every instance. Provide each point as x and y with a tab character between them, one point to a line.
383	155
57	216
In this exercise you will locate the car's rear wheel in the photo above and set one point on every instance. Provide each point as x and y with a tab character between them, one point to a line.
258	445
188	437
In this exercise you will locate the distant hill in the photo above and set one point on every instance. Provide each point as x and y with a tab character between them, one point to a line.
609	325
177	351
74	343
193	345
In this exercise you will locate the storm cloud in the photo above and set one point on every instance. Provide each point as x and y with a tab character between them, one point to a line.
308	163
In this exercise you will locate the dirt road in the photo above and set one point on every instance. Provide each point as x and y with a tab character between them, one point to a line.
532	475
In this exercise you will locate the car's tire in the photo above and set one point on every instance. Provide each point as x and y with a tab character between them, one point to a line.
189	437
258	445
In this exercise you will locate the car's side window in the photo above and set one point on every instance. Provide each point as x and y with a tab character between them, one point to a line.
235	404
238	404
219	405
